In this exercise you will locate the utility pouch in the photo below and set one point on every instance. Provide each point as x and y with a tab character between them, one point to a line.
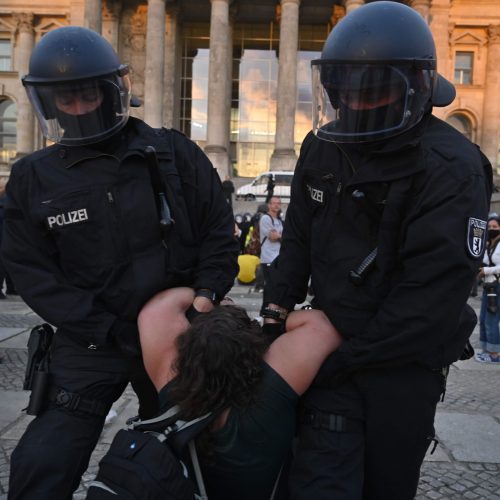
36	378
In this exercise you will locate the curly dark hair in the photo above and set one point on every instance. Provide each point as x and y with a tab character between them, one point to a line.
219	362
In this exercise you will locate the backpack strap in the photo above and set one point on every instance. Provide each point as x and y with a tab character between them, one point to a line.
275	488
197	471
169	176
265	237
389	221
162	207
166	427
157	423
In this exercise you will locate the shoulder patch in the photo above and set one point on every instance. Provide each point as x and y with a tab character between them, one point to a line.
476	237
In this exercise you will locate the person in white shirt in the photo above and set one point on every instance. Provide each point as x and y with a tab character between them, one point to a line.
489	317
270	228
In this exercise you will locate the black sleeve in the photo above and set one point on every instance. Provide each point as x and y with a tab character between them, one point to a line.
422	313
31	263
289	273
218	248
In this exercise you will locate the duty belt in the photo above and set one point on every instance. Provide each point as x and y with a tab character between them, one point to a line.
73	401
330	421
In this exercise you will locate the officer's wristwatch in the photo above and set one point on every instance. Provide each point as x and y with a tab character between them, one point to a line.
209	294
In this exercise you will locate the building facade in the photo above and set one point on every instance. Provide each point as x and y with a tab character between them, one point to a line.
234	75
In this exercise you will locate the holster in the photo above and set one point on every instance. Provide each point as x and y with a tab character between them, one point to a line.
36	378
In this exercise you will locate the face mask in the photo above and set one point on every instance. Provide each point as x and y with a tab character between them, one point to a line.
493	233
78	126
371	120
90	124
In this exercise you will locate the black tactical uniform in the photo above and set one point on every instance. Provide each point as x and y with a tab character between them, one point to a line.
84	246
404	317
86	250
412	199
83	239
391	231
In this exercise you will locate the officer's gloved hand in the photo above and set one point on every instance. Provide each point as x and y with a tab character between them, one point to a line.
125	335
273	330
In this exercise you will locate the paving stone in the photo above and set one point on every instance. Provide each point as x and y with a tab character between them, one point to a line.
434	495
469	495
471	445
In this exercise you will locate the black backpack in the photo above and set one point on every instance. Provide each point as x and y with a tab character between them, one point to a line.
152	459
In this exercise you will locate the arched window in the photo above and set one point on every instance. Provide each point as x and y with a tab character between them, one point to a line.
462	123
8	114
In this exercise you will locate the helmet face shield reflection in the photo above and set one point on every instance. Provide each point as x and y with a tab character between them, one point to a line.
83	111
362	102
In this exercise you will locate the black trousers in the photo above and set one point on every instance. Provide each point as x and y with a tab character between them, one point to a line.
54	452
386	425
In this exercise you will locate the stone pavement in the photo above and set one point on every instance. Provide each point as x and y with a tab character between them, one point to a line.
465	465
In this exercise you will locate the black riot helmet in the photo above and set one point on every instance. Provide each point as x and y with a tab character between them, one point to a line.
377	75
77	86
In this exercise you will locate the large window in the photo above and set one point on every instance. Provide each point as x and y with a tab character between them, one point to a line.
5	55
303	112
311	40
463	67
255	93
7	130
194	83
258	75
253	103
253	90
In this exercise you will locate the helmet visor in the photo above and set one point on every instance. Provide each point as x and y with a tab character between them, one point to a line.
366	102
81	112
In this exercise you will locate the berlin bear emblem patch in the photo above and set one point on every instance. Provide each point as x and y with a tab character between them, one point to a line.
476	236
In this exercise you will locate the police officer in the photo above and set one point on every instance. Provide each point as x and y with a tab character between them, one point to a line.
387	216
96	224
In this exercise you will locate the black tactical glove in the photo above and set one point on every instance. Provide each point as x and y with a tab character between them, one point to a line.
125	335
273	330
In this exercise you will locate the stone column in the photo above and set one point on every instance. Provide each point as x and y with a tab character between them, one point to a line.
284	157
111	22
171	86
490	135
218	82
439	23
92	16
422	7
25	116
155	53
233	11
350	5
76	13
